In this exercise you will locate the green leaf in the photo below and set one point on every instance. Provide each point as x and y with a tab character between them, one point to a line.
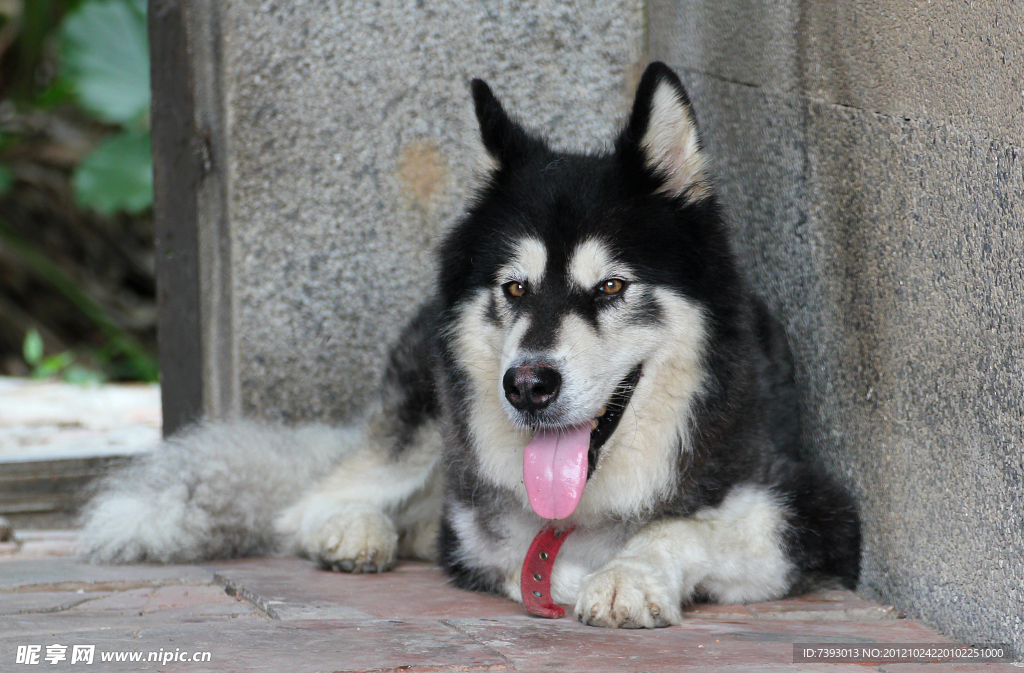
120	343
54	364
82	375
117	175
105	56
59	91
32	348
6	179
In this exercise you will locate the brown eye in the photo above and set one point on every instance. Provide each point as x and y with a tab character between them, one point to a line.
612	286
515	289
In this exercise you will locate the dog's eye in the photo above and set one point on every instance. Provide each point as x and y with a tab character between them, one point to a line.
611	287
514	289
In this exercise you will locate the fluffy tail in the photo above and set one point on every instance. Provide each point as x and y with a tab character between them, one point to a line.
211	492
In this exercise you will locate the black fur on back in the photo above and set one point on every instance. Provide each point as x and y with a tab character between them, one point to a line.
408	390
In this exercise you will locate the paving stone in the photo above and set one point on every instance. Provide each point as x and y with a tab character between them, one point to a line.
836	605
44	601
69	574
286	588
193	598
293	647
754	635
952	668
35	627
124	602
292	588
186	600
715	611
410	619
532	644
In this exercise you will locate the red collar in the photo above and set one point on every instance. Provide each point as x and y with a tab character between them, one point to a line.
536	577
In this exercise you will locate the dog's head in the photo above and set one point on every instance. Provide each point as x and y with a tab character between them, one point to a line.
574	292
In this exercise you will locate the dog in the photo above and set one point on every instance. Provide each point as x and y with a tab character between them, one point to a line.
591	409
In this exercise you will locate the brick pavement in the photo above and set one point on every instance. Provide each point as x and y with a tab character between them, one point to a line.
283	614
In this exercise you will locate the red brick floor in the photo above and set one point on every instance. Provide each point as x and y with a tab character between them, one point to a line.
286	615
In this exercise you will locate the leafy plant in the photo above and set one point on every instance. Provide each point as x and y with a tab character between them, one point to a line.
117	175
6	174
6	179
61	364
93	54
141	364
105	55
105	61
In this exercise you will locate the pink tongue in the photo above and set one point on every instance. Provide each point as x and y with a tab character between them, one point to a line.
555	470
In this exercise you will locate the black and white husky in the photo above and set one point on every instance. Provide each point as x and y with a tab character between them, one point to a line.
591	364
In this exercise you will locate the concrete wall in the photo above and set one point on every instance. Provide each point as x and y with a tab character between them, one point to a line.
352	144
871	156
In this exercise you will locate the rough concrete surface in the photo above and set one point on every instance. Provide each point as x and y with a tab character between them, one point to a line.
353	144
960	63
870	157
920	395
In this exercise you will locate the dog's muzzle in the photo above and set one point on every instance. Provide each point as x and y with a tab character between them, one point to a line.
531	387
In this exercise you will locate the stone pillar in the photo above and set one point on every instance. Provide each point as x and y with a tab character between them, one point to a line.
321	148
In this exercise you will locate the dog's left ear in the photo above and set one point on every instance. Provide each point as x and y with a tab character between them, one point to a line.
661	136
504	139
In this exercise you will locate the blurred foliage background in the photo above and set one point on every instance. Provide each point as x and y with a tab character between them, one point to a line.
77	290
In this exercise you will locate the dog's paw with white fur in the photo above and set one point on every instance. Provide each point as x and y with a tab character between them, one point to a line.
627	594
355	538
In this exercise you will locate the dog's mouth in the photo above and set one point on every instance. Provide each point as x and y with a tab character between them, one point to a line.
558	461
602	427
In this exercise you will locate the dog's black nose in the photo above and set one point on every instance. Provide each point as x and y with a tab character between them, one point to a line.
531	387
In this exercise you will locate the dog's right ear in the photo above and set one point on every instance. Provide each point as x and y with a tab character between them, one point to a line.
661	139
504	139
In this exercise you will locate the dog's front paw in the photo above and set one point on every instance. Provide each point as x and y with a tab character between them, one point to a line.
626	595
355	539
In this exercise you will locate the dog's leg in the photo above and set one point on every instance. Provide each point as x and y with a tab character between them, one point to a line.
384	498
370	509
733	553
